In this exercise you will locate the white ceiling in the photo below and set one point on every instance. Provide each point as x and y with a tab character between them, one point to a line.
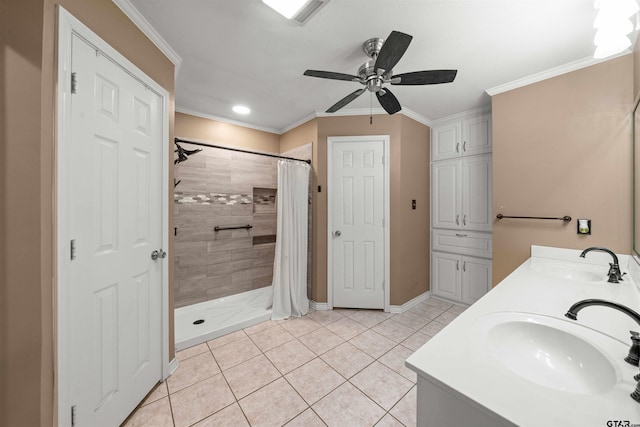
243	52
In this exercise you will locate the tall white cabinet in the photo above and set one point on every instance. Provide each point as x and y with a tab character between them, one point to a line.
461	218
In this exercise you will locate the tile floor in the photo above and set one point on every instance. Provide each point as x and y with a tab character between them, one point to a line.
334	368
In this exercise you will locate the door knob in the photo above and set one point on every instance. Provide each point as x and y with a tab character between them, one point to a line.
155	255
337	233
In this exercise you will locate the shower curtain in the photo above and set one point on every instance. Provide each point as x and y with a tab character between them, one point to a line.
290	263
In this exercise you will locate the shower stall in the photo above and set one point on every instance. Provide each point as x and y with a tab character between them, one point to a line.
225	232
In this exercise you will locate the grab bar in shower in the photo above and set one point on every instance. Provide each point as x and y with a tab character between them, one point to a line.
216	228
565	218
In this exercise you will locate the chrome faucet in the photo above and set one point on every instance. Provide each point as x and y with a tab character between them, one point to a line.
634	352
615	276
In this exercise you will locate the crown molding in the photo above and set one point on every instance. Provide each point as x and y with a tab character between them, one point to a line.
342	113
352	112
485	109
300	122
147	29
375	111
552	72
417	117
226	120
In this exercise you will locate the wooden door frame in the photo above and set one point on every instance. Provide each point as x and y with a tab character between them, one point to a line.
385	139
68	26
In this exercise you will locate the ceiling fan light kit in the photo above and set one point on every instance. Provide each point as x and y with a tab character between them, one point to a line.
376	72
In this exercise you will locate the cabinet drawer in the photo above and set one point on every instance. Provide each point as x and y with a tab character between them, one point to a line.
461	242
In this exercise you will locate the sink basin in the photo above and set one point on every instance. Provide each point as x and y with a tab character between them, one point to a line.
570	272
550	352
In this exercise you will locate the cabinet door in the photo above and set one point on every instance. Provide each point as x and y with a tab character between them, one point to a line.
476	279
476	193
445	141
445	275
476	135
445	194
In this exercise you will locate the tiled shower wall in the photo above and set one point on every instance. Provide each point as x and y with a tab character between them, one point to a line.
227	189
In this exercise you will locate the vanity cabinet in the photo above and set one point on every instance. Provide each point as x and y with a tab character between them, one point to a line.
459	278
461	193
461	219
467	136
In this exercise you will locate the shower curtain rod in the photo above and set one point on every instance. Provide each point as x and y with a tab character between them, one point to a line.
202	144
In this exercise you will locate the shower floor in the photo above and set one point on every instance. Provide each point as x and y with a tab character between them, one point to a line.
221	316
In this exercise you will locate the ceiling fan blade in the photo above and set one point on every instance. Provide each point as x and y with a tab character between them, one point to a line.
344	101
431	77
331	75
392	50
388	101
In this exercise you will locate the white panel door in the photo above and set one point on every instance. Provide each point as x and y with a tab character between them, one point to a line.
445	275
476	135
445	194
115	205
445	142
476	193
357	235
476	279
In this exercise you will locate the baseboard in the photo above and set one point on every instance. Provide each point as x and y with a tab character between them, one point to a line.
173	366
397	309
319	306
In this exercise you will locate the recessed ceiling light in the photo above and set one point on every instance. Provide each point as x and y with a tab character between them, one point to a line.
241	109
286	8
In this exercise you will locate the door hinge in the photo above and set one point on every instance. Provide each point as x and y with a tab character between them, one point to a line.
382	222
74	83
72	246
383	285
73	415
383	160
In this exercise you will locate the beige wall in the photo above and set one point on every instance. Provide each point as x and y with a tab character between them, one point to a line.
636	71
410	254
409	170
563	147
220	133
409	180
23	368
300	135
27	126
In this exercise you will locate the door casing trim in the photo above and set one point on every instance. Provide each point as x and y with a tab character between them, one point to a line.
331	140
68	25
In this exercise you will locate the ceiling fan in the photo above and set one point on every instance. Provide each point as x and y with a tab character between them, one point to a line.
384	55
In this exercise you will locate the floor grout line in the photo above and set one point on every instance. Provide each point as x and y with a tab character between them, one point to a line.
322	324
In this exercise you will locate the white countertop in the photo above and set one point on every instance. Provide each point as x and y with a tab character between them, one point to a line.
458	360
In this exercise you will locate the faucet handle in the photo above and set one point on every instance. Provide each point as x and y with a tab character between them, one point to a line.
634	352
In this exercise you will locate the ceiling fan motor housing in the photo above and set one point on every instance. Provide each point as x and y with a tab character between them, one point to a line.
368	75
384	55
372	47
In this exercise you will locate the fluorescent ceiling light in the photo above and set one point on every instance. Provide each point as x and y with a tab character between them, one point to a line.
613	25
286	8
241	109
